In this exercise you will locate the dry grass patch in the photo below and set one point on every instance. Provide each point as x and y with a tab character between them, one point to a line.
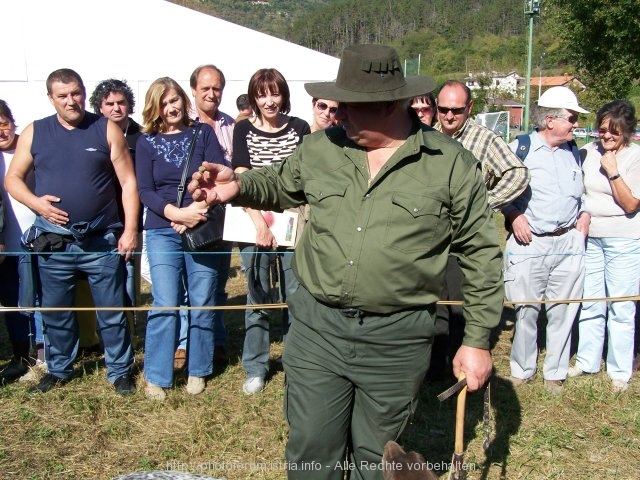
85	431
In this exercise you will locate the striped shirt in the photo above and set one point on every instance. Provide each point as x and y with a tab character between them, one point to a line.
505	176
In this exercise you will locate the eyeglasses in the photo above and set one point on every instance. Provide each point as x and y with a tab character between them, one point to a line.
5	126
602	132
422	110
454	110
323	106
571	119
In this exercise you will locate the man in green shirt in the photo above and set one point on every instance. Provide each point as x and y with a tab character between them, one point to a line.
389	199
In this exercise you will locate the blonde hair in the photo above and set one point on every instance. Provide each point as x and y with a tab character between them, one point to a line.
151	114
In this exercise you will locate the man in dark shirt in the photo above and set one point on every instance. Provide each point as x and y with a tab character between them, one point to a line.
388	202
75	154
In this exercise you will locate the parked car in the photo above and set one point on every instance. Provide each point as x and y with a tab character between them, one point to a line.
580	132
636	135
594	134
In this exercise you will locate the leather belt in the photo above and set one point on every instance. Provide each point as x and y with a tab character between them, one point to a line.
555	233
354	312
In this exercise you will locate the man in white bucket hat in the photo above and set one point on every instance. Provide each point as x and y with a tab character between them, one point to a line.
544	254
389	199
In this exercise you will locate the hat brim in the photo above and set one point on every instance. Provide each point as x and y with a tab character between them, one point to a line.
414	86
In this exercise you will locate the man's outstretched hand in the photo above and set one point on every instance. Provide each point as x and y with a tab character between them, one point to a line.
214	183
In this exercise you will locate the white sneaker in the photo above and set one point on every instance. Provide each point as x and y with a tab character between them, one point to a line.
195	385
155	392
253	385
619	386
574	372
35	373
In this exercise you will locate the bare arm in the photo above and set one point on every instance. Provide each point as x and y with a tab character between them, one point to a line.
619	188
15	182
264	236
123	166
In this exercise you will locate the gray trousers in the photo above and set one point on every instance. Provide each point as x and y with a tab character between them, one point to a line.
351	385
546	269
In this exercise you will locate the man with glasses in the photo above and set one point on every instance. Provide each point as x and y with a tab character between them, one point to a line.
505	177
544	254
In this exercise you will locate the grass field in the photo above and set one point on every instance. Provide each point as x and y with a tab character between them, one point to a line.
85	431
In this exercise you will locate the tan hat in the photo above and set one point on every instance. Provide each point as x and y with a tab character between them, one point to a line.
560	97
370	73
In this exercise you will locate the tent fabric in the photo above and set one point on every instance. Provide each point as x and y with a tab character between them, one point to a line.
139	41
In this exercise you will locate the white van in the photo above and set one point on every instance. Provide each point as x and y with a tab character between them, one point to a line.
580	132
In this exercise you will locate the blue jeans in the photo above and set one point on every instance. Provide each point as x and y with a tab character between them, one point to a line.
612	269
19	324
255	353
97	258
168	263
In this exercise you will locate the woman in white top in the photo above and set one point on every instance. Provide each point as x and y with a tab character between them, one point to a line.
612	259
17	218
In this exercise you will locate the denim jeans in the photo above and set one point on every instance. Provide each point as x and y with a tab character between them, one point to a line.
95	256
19	324
219	329
168	263
612	269
255	353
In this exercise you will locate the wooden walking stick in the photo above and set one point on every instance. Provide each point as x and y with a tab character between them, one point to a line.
458	472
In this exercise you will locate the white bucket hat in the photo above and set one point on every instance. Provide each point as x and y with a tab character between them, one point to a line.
560	97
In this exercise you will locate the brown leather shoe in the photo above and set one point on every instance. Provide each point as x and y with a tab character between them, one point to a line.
179	359
554	387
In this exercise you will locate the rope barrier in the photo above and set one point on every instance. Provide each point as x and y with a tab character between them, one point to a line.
280	306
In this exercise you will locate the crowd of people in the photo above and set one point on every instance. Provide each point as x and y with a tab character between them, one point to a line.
395	190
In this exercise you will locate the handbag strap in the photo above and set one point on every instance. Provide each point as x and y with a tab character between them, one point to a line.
183	181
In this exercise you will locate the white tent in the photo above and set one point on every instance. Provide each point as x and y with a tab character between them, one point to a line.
139	41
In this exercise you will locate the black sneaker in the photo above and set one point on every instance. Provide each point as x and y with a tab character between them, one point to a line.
48	382
13	371
124	385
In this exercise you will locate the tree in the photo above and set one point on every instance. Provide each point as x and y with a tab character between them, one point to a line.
601	39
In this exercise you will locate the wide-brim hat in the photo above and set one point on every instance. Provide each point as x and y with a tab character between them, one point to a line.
370	73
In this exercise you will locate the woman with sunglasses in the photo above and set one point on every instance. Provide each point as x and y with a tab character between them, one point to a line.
612	258
14	266
324	113
425	108
264	139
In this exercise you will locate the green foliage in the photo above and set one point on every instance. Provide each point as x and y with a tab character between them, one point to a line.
601	37
596	40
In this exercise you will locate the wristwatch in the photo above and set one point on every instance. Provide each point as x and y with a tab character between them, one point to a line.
614	177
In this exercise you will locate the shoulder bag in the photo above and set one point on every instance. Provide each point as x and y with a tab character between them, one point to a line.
206	235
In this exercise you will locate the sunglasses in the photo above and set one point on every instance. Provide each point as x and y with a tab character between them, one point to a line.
613	133
422	110
572	119
455	110
323	106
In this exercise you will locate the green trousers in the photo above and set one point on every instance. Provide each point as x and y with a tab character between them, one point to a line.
351	385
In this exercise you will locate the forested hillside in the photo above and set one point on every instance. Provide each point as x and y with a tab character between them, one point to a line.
449	35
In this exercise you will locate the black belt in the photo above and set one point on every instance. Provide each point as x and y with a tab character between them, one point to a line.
555	233
354	313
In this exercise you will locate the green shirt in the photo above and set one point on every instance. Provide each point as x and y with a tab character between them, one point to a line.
382	246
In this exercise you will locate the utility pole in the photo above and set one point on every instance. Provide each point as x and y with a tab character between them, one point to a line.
540	80
531	8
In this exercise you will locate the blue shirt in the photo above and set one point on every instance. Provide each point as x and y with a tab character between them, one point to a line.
553	198
75	165
160	161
